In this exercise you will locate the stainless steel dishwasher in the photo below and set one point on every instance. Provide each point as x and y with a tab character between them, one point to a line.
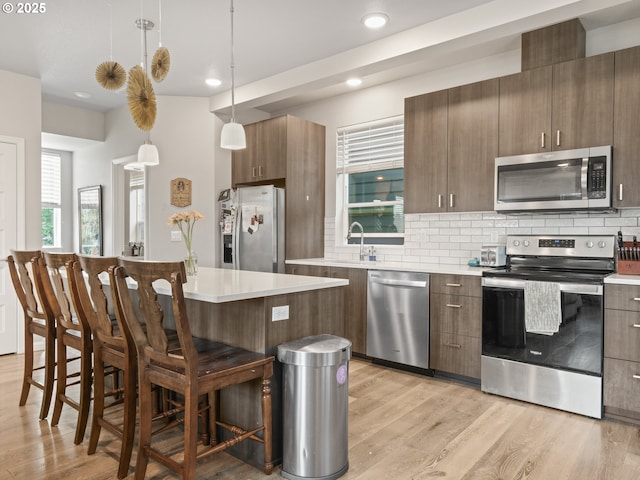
398	317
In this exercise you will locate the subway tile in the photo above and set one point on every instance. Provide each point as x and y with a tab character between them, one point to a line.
621	221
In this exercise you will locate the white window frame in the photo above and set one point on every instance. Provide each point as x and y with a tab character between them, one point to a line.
366	155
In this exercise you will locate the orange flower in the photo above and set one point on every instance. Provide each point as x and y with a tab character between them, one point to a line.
185	222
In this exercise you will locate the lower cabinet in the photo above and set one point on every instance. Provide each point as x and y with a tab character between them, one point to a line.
355	299
622	351
456	324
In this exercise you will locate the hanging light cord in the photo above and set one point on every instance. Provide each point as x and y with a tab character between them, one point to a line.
110	32
160	23
233	66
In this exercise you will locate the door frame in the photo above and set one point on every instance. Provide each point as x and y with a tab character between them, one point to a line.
21	232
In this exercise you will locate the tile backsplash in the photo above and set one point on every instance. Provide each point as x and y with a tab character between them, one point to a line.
455	238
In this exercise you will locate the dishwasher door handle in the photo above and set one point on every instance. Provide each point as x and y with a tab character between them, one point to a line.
400	283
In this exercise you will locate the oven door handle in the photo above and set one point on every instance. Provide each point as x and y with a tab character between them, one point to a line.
515	284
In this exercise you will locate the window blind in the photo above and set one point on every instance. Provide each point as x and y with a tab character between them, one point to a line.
50	194
371	146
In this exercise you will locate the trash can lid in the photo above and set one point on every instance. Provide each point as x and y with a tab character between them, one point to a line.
315	351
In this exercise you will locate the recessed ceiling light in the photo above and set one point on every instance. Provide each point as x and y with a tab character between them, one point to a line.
354	82
213	82
375	20
82	94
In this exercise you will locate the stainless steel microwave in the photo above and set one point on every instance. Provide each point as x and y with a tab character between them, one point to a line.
564	180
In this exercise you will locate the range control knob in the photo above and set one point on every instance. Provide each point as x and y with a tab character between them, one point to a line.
526	243
589	244
602	244
516	243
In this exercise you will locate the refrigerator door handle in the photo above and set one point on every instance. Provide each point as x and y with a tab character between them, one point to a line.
235	242
274	231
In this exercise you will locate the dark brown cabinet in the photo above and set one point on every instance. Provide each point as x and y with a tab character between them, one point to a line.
456	324
355	299
451	140
525	112
622	351
564	106
289	152
626	128
265	157
425	151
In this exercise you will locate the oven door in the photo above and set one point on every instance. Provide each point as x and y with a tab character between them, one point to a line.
576	347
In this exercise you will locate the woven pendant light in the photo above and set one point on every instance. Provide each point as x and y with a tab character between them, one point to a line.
111	75
160	64
141	98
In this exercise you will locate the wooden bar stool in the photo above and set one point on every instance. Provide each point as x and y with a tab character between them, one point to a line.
38	320
111	349
193	368
72	331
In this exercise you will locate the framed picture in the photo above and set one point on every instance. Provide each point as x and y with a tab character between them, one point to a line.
90	218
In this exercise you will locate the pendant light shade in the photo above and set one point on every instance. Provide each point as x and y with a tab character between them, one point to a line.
148	155
233	137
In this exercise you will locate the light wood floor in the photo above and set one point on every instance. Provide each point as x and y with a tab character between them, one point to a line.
401	426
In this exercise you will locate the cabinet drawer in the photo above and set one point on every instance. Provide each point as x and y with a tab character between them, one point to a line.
622	385
456	284
457	314
622	335
622	297
457	354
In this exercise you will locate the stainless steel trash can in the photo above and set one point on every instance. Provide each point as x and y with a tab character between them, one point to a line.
315	407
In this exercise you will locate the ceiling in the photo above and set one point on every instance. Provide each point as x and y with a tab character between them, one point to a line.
287	52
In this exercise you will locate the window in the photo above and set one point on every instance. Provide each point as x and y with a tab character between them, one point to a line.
136	206
370	162
51	200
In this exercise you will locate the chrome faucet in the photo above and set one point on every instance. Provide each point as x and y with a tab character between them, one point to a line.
356	224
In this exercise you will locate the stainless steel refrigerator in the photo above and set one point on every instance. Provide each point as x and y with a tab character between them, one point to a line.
252	228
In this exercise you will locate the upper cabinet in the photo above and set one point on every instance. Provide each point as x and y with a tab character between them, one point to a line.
525	111
289	152
451	140
626	135
265	156
472	146
425	151
564	106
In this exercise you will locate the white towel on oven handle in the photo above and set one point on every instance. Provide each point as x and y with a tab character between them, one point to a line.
542	307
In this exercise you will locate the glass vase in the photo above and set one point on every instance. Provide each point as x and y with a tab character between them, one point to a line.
191	263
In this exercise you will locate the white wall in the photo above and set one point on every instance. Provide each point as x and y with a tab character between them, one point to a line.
20	116
185	134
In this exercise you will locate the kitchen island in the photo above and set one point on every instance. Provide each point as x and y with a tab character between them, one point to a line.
258	311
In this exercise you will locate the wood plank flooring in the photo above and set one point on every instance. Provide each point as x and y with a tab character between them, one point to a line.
401	426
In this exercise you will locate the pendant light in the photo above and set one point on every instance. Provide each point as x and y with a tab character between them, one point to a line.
232	136
147	153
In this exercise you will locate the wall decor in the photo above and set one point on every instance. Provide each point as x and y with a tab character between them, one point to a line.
180	192
90	220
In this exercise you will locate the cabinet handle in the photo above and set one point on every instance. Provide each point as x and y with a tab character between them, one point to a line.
439	201
460	306
451	200
637	377
260	171
459	285
457	345
558	138
636	325
620	192
543	137
636	299
253	172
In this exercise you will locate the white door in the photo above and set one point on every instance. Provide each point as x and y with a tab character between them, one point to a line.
8	240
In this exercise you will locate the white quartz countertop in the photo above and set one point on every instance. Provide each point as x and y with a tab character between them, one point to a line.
397	266
623	279
218	285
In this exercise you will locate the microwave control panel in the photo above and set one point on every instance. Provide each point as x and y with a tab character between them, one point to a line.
597	179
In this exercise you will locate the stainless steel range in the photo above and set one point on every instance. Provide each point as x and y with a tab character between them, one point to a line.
542	321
